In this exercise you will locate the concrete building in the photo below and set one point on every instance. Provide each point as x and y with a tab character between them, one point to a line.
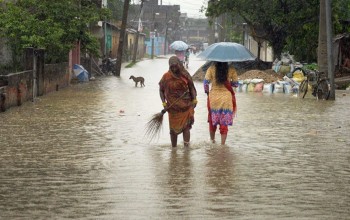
194	31
167	24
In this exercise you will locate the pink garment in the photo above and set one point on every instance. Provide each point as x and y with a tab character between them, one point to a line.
180	54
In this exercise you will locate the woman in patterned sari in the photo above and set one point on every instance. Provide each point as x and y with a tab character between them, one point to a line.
221	98
178	94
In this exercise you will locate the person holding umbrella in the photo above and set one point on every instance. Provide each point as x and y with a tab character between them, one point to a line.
180	47
178	95
181	55
221	100
187	57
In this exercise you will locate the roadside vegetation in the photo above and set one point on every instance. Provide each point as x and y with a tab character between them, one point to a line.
55	26
286	25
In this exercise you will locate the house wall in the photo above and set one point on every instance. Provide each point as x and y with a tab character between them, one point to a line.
266	53
108	36
129	46
131	39
158	46
115	43
141	47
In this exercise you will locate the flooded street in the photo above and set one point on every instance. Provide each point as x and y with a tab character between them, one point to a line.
82	153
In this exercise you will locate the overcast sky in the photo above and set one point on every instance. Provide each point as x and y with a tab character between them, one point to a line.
191	7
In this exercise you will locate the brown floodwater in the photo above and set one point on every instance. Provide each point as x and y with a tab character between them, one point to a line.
82	153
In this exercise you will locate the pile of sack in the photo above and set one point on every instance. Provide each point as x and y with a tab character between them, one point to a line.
286	64
284	85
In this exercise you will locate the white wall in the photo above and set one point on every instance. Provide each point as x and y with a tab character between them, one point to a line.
266	53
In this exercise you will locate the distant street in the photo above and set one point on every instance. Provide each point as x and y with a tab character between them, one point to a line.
82	153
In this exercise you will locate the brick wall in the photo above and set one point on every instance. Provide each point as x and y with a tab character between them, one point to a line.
16	88
56	77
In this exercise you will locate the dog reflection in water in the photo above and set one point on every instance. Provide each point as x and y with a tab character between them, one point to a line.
137	80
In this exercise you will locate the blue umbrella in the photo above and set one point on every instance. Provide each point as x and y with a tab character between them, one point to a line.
81	73
178	45
226	52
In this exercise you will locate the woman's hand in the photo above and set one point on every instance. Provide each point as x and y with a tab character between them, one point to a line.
235	84
194	103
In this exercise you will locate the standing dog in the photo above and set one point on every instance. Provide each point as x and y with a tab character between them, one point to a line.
138	79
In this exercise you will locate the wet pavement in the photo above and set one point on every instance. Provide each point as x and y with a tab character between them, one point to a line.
82	153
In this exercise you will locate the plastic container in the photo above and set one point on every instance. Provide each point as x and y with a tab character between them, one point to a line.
278	88
268	87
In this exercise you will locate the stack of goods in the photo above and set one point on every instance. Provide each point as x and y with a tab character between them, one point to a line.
263	81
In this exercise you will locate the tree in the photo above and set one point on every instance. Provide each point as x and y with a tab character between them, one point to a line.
51	25
285	24
322	39
136	44
272	21
122	37
116	7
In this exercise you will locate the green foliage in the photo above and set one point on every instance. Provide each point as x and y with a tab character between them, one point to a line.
311	66
116	7
287	25
234	36
52	25
341	12
303	43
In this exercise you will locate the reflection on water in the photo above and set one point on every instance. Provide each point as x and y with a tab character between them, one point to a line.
179	175
220	179
220	170
81	153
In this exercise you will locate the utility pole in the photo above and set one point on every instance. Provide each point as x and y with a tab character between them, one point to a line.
330	48
166	32
166	38
121	38
244	25
136	44
153	34
152	44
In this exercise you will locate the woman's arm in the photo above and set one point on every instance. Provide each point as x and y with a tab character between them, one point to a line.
206	86
207	79
233	77
162	95
162	92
